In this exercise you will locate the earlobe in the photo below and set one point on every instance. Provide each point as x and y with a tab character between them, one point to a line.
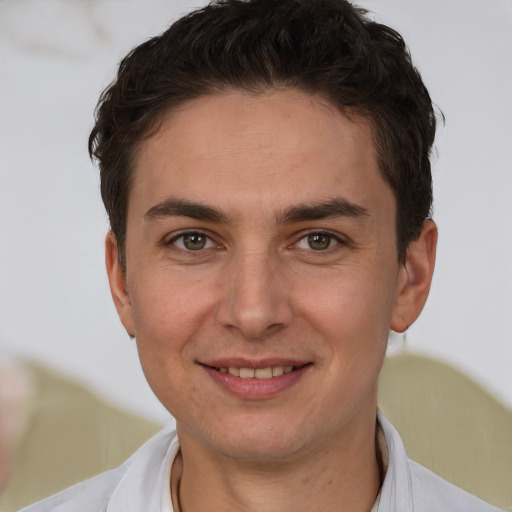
117	282
415	278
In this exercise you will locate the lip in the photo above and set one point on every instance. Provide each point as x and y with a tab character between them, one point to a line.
255	388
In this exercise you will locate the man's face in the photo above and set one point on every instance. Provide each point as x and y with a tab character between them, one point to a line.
261	239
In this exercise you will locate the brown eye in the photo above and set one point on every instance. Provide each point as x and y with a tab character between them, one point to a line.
194	241
319	241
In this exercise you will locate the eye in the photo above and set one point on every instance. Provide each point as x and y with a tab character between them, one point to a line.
318	242
193	241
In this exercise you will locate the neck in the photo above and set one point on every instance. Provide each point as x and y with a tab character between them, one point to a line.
343	476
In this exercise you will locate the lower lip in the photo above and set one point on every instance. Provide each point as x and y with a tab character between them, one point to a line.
256	388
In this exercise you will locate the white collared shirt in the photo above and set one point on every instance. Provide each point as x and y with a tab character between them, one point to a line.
142	484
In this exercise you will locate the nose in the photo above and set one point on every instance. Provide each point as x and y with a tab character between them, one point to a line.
255	298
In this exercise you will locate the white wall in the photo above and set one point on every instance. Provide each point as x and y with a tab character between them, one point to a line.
56	55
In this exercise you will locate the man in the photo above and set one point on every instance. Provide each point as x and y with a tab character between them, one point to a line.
265	168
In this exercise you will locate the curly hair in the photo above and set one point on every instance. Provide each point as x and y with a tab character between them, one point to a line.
324	47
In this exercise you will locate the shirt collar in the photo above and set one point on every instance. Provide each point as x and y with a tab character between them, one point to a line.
145	483
144	479
396	492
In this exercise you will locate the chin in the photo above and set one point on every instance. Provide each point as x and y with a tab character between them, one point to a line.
267	440
261	450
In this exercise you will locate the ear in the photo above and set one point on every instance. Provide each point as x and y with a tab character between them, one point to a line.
415	277
117	281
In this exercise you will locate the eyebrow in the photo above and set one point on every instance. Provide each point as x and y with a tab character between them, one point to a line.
174	207
332	208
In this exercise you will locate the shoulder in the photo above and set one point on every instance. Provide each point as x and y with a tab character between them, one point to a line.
88	496
137	481
409	486
67	422
432	493
450	424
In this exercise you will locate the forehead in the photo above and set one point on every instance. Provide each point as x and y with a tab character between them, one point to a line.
271	148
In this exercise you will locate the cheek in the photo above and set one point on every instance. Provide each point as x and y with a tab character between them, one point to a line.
167	315
352	311
169	307
351	300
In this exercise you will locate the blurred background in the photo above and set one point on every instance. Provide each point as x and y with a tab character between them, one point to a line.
55	306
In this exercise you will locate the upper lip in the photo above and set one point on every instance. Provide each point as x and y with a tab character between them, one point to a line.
240	362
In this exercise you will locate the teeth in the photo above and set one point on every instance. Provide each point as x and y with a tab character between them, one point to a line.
246	373
263	373
259	373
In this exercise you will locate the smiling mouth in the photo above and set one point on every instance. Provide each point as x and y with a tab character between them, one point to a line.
256	373
251	380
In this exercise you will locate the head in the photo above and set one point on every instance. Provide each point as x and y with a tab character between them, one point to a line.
265	168
328	48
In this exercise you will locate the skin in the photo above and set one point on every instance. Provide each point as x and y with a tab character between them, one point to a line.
260	290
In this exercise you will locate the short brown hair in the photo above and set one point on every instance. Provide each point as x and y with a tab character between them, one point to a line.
325	47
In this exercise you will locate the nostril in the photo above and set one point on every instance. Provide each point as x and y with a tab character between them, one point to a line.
254	300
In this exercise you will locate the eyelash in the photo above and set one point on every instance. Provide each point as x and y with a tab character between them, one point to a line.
183	235
338	241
